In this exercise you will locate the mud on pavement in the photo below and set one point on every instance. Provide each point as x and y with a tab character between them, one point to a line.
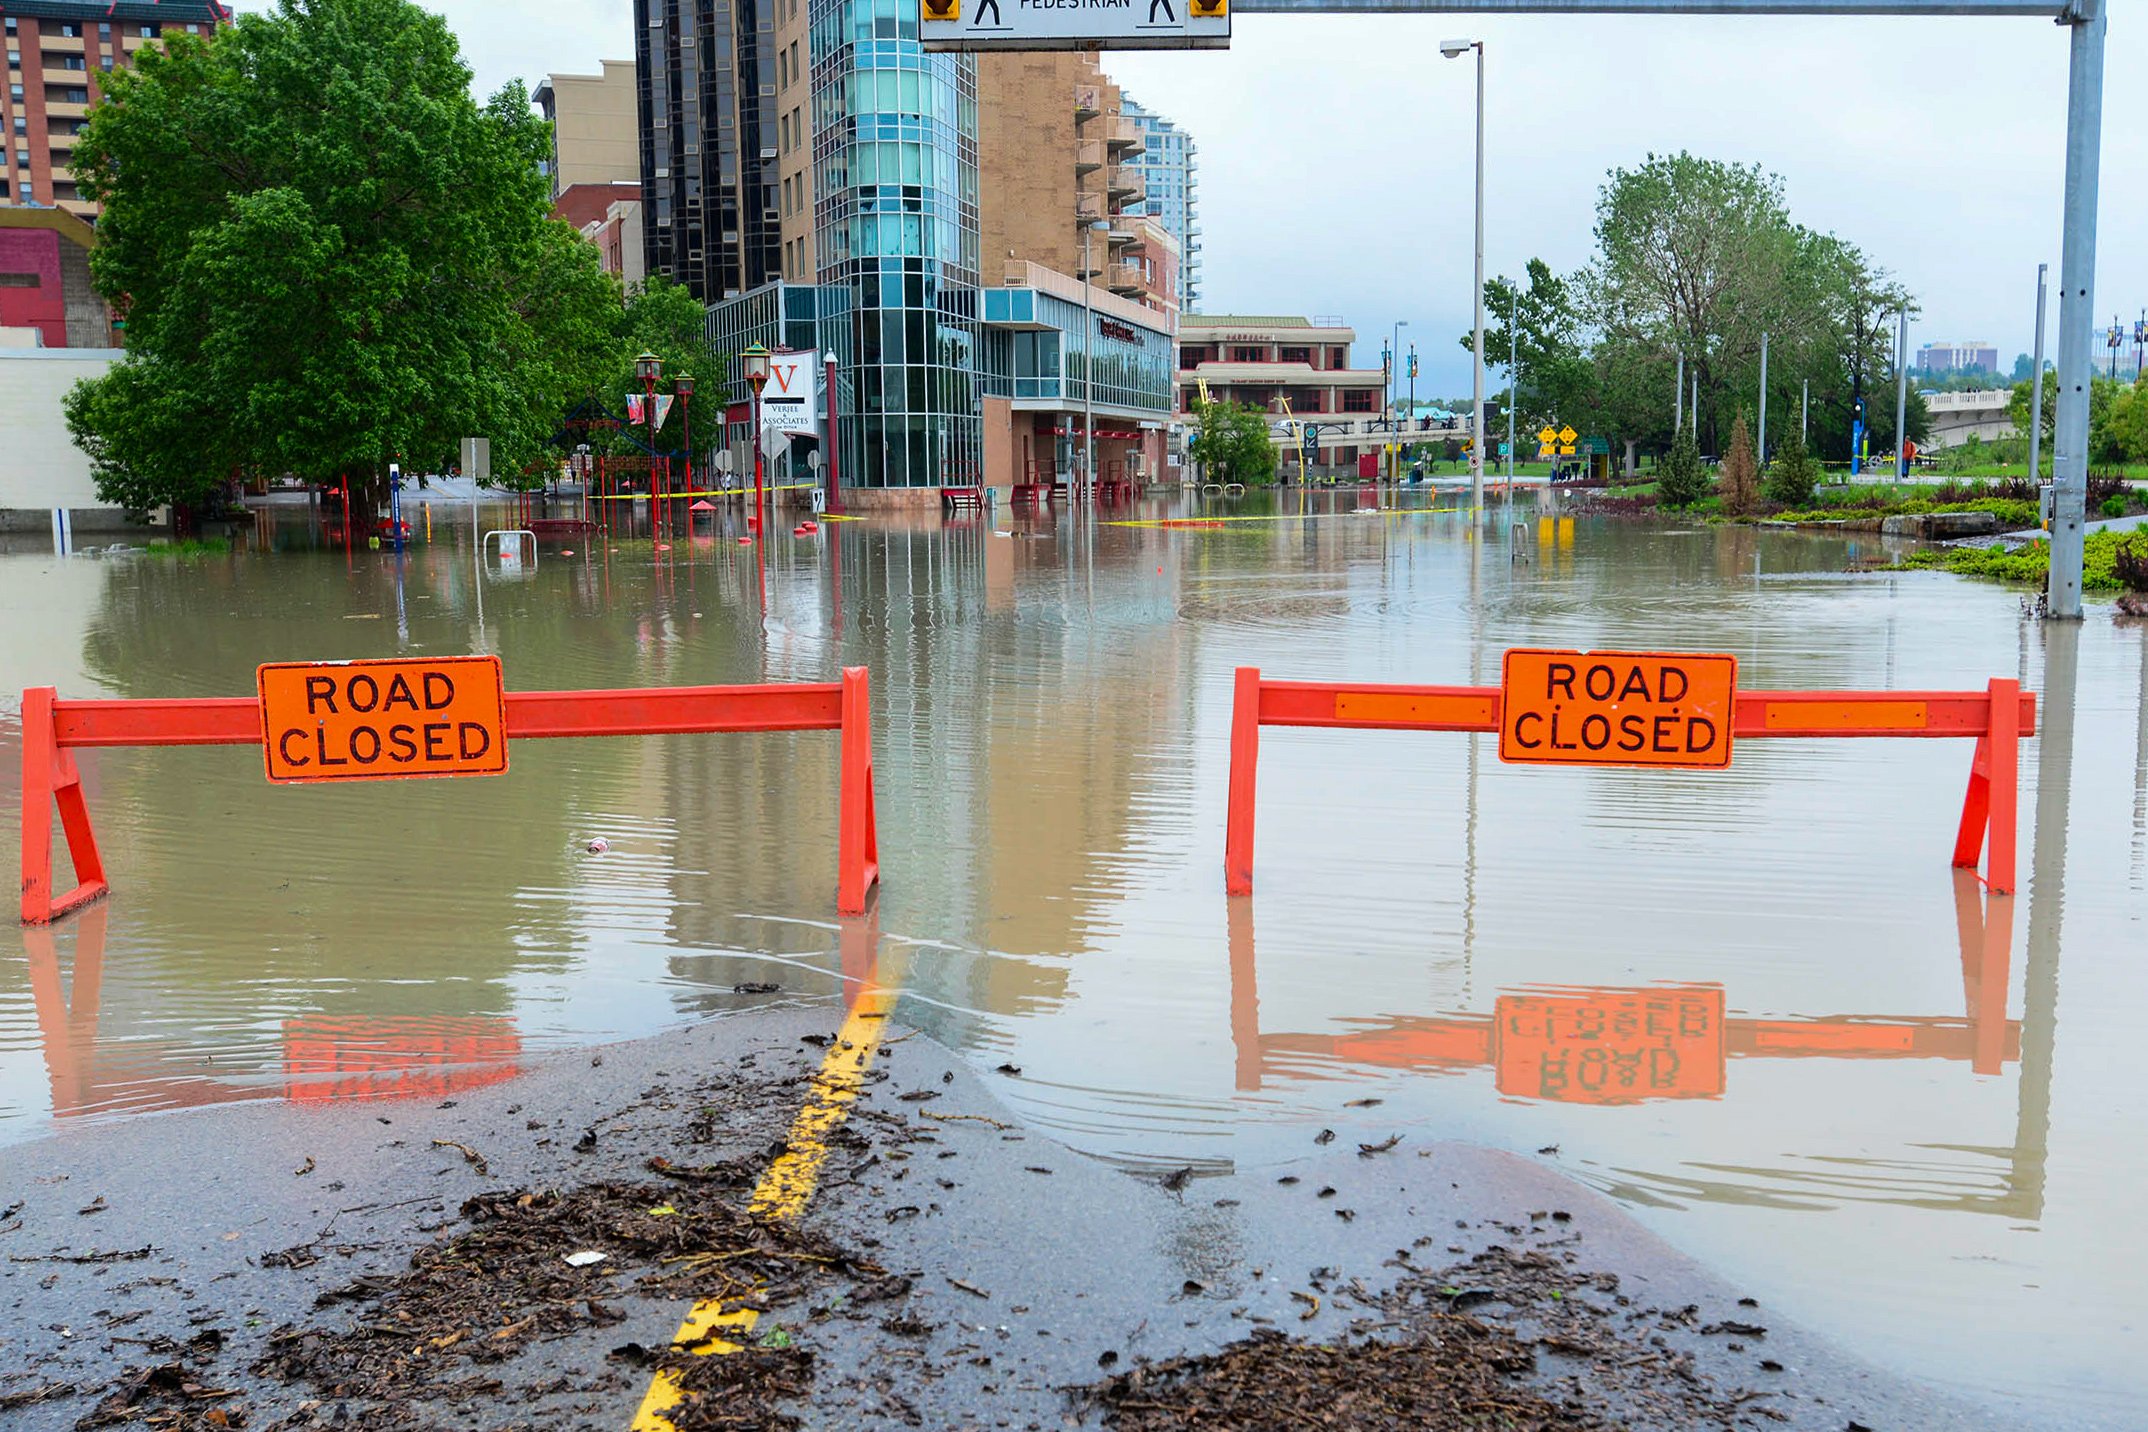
520	1255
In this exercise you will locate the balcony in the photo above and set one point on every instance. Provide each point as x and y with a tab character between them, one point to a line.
1088	102
1124	183
1125	279
1124	136
1088	155
1088	208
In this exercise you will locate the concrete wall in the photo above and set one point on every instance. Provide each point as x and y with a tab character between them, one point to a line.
1025	159
40	467
596	137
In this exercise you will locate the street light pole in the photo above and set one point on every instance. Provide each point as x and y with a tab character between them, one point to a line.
1394	409
1513	383
646	368
756	361
1088	361
684	387
1901	396
2036	393
1454	49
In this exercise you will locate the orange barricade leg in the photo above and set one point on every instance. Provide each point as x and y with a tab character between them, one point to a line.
1993	801
2004	769
858	835
49	778
1245	763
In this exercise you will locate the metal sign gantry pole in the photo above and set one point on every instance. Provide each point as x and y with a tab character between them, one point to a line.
2086	22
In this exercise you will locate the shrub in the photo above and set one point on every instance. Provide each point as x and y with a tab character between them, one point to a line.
1740	485
1793	475
2113	506
1682	481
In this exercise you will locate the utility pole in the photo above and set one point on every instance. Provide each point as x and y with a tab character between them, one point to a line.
1901	397
2088	21
2036	386
1513	382
1763	400
1678	398
1804	412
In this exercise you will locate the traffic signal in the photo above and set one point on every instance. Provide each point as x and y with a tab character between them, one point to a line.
1209	9
943	9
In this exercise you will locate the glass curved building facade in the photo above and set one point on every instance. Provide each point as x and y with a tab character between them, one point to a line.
894	194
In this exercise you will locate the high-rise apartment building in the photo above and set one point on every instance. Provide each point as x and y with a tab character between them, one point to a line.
58	52
1169	164
595	127
931	213
707	117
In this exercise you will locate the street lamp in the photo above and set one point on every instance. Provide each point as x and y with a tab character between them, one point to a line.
648	367
1455	49
1088	360
1394	409
683	385
755	360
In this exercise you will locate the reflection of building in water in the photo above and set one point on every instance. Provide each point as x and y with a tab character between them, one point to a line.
1619	1046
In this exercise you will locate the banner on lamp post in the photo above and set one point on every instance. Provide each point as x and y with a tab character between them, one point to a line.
790	403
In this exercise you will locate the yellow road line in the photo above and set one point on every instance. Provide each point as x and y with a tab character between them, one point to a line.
783	1192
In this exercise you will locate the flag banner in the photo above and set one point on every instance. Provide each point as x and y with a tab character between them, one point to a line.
633	408
663	408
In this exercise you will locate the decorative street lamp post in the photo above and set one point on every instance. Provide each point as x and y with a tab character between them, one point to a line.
683	385
648	367
756	361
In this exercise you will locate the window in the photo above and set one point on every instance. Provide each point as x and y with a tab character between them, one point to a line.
20	280
104	29
69	30
1357	400
1245	355
1297	355
150	32
14	92
27	194
106	61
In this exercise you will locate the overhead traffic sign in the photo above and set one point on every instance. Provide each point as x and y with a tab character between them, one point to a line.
383	720
1074	24
1617	708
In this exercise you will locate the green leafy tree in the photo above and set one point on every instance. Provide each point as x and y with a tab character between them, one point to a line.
1793	475
665	318
1682	480
328	256
2124	434
1740	482
1232	443
1542	328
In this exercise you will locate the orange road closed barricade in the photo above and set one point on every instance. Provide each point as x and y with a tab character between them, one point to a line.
1659	709
397	719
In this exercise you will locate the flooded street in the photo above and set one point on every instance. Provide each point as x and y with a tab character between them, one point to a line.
1894	1115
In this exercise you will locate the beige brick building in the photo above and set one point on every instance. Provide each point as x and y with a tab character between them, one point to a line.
595	138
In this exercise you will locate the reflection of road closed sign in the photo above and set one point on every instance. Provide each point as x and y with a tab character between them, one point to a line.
381	720
1617	708
1610	1046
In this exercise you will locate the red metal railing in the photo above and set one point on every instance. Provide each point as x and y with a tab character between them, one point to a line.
1998	717
52	730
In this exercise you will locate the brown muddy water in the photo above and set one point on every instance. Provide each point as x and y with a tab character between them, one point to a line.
1916	1132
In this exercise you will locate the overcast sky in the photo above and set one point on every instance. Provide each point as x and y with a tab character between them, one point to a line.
1336	152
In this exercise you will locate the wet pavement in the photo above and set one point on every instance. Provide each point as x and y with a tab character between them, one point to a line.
1904	1122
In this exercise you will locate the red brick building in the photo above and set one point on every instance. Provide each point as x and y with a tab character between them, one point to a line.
45	281
58	53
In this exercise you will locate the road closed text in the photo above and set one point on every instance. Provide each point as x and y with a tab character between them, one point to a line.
384	720
1618	708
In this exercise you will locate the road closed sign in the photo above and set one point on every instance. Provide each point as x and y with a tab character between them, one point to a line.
1617	708
383	720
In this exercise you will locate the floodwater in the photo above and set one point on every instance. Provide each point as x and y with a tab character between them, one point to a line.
1902	1117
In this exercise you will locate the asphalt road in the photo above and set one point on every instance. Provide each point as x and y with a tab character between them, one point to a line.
1020	1268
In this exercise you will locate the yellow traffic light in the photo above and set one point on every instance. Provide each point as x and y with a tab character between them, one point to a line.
1209	9
943	9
